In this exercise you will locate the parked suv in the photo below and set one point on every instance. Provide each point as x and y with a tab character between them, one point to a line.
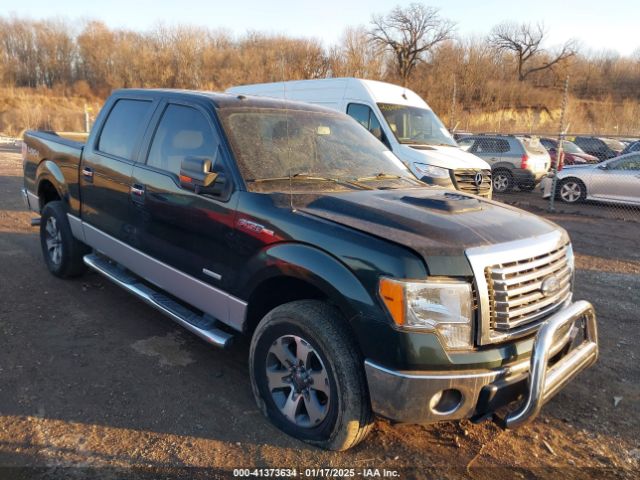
603	148
515	161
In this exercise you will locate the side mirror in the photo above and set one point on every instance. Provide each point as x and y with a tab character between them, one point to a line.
196	175
603	166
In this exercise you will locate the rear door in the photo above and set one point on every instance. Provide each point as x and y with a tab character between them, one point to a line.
187	231
107	164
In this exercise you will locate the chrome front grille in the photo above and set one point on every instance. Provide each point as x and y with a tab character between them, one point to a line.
517	299
509	281
465	180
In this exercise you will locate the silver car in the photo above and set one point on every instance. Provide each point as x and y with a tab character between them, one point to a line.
616	180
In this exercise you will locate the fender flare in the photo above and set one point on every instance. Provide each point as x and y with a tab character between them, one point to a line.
316	267
502	166
50	171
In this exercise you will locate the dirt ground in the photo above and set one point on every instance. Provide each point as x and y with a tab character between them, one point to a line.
95	384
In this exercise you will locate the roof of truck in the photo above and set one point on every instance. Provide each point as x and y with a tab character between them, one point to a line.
222	100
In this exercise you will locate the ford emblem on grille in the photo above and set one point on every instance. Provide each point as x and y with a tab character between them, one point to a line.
478	179
550	285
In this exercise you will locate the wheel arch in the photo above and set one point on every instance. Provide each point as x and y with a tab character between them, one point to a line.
50	183
289	272
577	180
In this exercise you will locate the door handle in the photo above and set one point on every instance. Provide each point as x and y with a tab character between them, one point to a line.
137	192
87	173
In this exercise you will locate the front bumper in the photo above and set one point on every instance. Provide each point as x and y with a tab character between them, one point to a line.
417	397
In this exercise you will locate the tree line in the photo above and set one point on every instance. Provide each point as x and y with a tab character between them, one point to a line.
511	68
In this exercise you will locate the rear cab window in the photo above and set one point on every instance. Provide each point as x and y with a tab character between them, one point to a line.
123	128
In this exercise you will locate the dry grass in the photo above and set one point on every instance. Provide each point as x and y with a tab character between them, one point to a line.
44	109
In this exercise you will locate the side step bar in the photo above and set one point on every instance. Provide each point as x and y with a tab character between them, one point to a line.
201	325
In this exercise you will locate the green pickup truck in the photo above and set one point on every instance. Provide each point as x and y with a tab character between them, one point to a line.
362	289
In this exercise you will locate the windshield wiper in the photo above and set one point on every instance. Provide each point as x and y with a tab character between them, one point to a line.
380	176
310	177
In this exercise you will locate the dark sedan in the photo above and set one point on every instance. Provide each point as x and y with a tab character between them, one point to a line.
572	153
601	147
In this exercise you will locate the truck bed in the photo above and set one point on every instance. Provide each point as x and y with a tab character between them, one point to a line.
56	157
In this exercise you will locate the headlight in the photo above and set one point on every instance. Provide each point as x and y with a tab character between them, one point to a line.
431	171
571	263
571	259
443	306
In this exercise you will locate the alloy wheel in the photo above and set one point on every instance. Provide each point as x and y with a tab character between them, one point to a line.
53	240
298	381
570	192
500	182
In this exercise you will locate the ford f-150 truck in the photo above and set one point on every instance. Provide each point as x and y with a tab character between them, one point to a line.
363	290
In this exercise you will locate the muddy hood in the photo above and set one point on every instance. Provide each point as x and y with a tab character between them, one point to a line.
431	221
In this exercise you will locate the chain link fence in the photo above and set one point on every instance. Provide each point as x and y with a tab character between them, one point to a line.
555	171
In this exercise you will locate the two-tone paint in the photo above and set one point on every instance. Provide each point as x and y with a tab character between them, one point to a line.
257	248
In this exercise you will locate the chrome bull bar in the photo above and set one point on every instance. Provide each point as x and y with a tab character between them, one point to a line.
545	381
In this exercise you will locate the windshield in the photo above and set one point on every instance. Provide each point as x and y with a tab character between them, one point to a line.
412	125
571	147
273	146
613	144
533	145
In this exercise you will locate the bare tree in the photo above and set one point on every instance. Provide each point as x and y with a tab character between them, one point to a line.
355	55
410	33
525	42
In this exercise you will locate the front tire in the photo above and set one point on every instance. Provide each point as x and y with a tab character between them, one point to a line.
572	190
61	251
308	377
502	181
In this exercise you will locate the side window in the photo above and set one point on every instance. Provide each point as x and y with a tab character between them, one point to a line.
123	127
630	163
485	145
365	117
182	132
360	113
548	144
502	146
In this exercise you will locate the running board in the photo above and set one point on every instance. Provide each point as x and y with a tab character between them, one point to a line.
201	325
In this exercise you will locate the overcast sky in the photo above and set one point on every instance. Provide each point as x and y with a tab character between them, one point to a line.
598	25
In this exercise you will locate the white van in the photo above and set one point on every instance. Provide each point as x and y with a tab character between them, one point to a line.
399	118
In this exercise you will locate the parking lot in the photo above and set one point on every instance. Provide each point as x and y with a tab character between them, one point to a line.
92	378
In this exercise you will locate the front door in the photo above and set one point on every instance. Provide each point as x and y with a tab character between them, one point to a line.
188	231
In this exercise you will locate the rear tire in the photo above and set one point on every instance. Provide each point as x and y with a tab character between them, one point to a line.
502	181
572	190
308	377
61	251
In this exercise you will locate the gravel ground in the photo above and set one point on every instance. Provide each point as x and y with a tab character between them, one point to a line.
95	384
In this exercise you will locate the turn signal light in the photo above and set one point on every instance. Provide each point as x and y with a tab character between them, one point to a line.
392	294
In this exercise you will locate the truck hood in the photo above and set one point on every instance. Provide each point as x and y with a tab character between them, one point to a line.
445	157
431	221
